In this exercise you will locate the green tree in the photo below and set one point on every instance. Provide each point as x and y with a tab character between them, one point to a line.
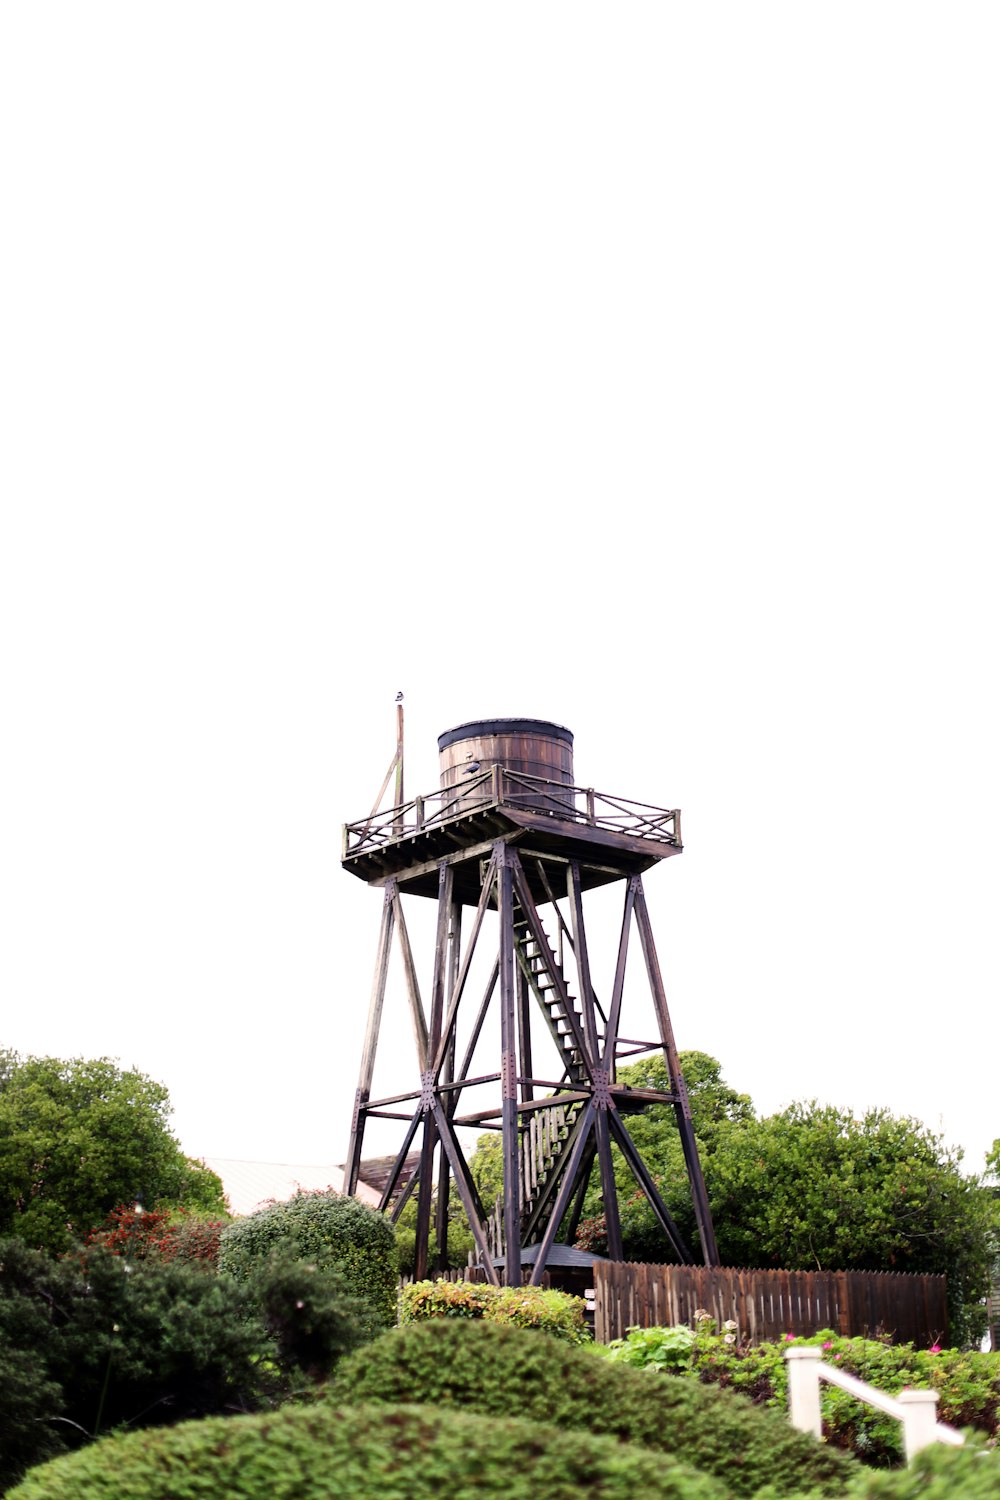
80	1137
327	1230
815	1187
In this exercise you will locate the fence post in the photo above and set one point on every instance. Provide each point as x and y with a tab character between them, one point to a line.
803	1389
919	1420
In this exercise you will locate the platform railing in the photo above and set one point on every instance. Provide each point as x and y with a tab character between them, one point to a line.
917	1410
499	787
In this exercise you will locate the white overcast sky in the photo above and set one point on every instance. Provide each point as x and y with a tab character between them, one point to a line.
633	366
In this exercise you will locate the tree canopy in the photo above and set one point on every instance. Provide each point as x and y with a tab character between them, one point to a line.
812	1187
80	1137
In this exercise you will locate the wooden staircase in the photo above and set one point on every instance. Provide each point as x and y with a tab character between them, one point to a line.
549	1132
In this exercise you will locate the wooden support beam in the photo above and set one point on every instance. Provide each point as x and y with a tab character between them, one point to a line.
489	881
477	1027
399	1163
425	1193
567	1182
443	1080
412	983
421	1252
541	939
574	891
576	1212
682	1109
609	1189
467	1192
371	1042
641	1174
615	1008
508	1069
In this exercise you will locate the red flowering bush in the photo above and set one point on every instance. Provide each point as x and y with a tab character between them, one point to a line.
172	1235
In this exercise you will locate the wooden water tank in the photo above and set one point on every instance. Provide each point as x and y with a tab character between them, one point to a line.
529	747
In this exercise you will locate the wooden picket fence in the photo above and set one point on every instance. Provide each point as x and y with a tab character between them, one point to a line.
769	1304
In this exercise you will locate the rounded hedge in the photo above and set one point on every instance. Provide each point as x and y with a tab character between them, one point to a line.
329	1230
505	1371
937	1473
364	1453
557	1313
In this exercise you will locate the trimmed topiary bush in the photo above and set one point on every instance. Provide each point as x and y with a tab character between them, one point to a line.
512	1371
937	1473
326	1229
367	1453
554	1312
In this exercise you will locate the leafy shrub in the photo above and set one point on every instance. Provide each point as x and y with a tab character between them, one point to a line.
664	1349
326	1230
172	1234
525	1307
309	1313
92	1341
29	1403
512	1371
376	1453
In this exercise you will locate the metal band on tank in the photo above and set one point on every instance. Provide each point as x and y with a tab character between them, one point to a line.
478	728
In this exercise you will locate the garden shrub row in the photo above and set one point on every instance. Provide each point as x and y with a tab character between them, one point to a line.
503	1371
968	1382
556	1313
384	1452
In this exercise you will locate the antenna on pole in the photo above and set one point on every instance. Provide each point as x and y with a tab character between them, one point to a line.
396	764
399	760
400	797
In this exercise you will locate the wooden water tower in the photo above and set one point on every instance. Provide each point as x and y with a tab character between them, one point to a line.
512	841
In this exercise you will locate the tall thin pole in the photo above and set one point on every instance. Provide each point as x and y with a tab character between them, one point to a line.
399	750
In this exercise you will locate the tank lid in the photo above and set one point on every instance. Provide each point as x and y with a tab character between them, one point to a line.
477	728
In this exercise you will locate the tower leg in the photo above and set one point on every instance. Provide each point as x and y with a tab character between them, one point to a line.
425	1190
508	1074
609	1190
682	1109
363	1093
446	1076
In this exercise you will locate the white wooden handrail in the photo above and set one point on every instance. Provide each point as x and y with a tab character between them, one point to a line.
917	1410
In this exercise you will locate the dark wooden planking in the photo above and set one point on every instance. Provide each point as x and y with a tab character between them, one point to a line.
767	1304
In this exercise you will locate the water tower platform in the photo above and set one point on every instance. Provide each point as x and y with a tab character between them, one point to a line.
550	822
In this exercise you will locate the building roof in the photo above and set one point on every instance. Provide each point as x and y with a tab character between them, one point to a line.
250	1185
559	1255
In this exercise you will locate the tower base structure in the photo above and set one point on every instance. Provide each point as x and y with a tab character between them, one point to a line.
510	855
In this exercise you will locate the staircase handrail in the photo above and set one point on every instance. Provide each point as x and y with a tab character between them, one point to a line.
916	1409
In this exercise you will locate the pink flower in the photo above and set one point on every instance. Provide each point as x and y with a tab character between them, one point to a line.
828	1344
934	1349
789	1337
